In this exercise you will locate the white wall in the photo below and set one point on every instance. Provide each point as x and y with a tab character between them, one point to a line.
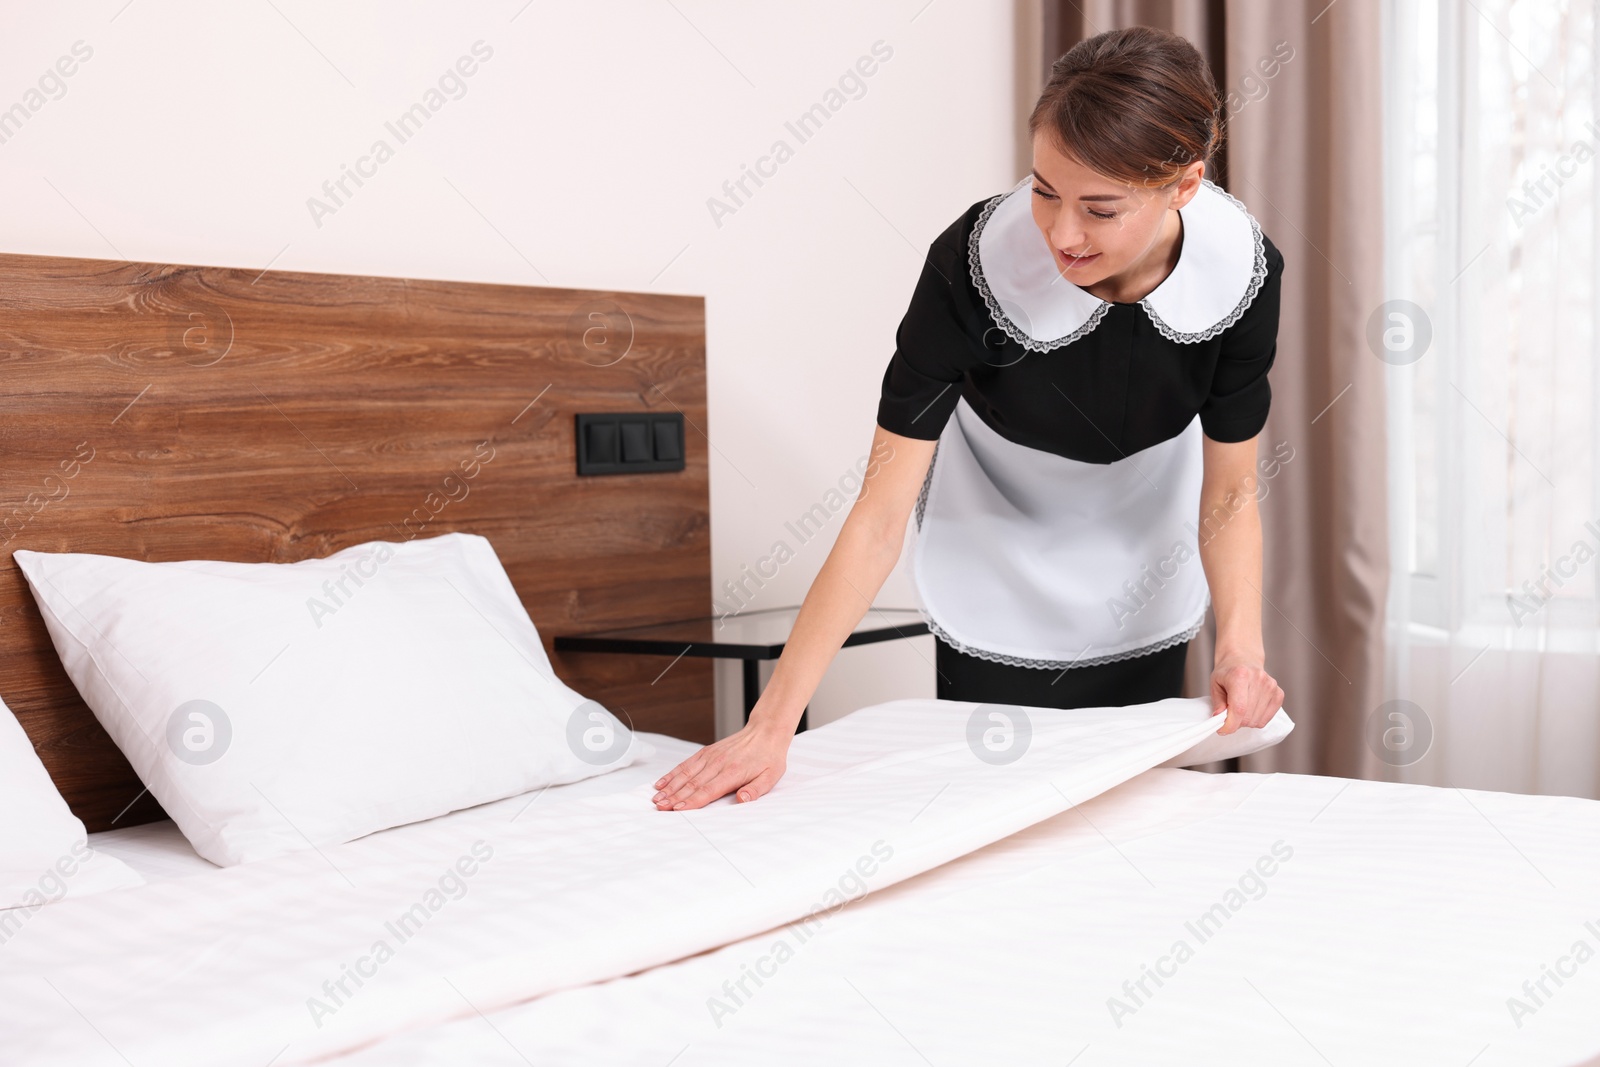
582	152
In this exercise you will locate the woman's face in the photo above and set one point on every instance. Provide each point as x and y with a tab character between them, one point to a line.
1098	227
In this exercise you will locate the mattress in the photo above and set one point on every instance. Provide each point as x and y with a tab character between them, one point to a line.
1084	905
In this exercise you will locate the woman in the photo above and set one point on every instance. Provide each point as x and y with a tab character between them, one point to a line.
1071	412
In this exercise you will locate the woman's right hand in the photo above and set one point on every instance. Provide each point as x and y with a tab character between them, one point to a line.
750	761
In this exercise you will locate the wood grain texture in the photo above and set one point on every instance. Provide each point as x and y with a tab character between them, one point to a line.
169	412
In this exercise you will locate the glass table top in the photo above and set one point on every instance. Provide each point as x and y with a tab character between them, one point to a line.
745	635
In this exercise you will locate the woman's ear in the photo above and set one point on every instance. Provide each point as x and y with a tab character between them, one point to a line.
1188	183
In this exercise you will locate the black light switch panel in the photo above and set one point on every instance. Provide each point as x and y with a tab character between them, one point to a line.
630	442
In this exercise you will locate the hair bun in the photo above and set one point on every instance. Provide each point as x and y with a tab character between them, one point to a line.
1136	104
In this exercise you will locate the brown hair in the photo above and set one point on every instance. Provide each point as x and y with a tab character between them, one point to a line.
1137	105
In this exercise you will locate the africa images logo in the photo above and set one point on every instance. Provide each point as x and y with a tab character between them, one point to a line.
199	732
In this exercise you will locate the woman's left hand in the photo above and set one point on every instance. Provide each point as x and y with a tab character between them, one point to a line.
1250	695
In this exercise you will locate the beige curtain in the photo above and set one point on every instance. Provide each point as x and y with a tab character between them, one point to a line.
1304	153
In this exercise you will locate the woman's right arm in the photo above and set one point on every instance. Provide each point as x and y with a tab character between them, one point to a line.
752	760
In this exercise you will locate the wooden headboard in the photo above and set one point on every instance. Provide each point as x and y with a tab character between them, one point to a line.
170	412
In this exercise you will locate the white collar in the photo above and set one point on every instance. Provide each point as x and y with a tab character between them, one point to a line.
1220	269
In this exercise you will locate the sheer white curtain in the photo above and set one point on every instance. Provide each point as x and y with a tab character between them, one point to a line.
1491	146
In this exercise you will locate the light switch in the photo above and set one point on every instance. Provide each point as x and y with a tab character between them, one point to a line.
602	442
667	444
635	442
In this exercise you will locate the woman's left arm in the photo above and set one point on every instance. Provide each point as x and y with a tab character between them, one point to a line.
1230	552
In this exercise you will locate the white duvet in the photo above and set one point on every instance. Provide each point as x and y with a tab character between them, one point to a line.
1392	936
1402	922
299	957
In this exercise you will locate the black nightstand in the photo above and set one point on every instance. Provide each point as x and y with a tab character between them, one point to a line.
750	636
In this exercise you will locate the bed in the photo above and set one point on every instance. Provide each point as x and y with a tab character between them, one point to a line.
893	900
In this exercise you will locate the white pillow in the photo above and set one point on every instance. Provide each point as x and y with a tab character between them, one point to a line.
278	706
44	852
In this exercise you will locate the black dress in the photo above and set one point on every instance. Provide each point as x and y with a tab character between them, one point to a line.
1057	547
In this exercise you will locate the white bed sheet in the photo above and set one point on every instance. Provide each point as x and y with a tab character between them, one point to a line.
1395	932
239	965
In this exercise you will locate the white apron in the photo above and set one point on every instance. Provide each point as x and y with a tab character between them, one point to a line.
1031	559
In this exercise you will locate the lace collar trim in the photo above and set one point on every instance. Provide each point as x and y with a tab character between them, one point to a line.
1220	269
